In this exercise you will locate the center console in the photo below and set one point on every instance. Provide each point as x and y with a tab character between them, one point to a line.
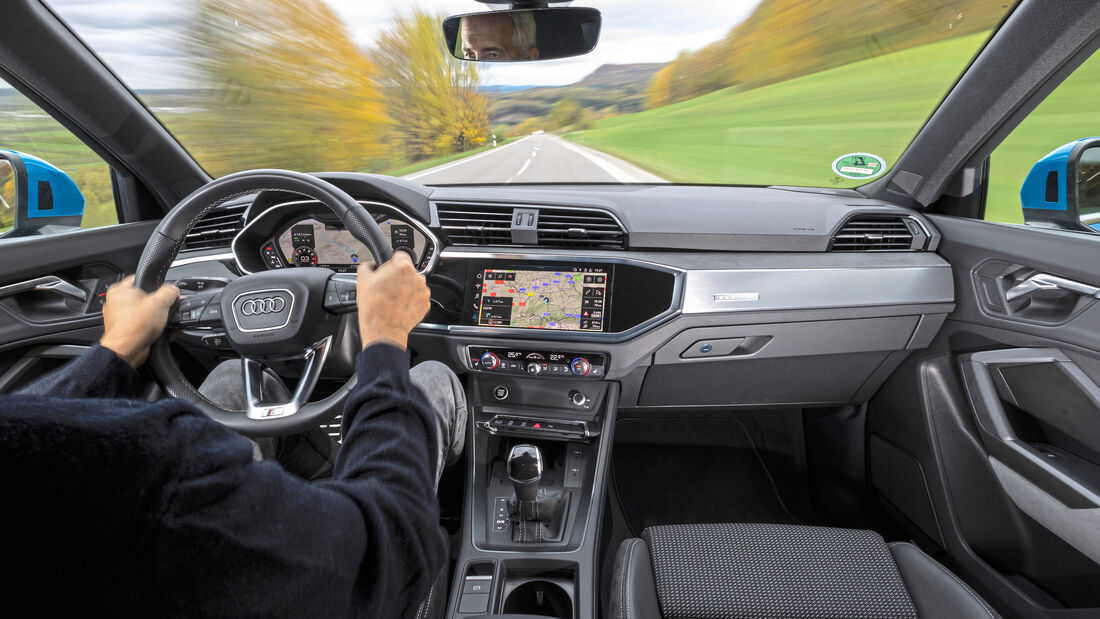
538	453
541	417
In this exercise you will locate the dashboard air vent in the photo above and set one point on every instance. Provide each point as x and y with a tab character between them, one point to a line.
492	224
476	224
574	228
217	228
879	233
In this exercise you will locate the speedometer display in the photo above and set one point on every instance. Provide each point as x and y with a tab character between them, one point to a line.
310	242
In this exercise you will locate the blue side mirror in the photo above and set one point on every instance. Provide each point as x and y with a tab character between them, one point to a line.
1062	188
36	197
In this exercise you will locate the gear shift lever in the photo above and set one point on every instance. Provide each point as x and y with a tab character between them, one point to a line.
525	471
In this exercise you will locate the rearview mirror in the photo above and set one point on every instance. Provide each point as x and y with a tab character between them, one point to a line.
522	35
36	197
1062	190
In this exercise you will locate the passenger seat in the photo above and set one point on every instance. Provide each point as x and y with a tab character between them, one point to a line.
735	571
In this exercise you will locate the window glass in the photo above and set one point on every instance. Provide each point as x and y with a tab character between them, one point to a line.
33	138
1067	114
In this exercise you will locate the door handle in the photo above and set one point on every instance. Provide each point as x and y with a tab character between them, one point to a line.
1045	281
50	283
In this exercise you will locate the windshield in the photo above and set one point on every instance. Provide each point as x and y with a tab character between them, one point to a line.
757	92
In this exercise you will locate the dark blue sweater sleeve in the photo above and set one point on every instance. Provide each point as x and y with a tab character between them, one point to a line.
98	373
154	509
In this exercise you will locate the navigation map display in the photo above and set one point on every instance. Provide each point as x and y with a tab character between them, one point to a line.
572	298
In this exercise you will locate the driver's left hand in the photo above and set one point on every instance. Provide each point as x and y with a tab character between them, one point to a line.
133	319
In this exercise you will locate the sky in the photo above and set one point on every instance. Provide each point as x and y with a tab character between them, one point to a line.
139	38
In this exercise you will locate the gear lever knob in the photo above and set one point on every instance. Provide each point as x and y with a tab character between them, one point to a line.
525	471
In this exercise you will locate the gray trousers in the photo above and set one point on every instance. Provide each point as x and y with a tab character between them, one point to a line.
225	387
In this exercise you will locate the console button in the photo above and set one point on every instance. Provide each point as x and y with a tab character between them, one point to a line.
533	368
474	603
580	366
478	584
489	361
500	392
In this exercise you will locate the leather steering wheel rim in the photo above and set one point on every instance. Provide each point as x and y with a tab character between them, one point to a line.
168	238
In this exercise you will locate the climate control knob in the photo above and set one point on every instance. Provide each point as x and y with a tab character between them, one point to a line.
580	366
533	368
489	361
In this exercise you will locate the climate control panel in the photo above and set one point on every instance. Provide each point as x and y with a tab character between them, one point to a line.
540	363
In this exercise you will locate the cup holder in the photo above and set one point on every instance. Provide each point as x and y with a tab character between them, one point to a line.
540	597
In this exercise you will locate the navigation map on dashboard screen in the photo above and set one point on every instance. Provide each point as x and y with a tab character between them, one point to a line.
570	299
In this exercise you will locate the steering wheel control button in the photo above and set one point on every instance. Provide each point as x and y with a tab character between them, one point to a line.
580	366
490	361
217	341
500	392
199	284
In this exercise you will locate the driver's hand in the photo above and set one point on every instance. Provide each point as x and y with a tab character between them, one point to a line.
392	299
133	319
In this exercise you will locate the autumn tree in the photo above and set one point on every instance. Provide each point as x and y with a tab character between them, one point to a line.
285	86
434	101
565	113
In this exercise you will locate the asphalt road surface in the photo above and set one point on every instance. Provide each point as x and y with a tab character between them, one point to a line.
541	158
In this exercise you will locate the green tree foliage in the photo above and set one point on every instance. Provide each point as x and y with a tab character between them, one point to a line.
433	101
783	39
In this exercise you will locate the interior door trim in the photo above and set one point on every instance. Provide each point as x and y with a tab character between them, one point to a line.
996	430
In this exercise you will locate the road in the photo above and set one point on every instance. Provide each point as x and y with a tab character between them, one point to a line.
540	158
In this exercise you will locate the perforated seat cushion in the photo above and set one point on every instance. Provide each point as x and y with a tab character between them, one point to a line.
733	571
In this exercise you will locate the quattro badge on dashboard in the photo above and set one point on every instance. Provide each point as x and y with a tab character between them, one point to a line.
736	296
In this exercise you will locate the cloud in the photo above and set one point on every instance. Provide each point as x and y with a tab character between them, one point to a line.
141	40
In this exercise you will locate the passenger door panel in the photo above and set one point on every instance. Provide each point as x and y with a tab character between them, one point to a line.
998	422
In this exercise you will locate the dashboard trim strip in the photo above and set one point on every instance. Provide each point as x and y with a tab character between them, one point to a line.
815	288
433	240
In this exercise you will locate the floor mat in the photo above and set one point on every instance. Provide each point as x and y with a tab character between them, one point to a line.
741	466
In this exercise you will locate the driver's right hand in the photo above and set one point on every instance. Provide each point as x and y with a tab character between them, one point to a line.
392	299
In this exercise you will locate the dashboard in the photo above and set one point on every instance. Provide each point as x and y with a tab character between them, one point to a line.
714	296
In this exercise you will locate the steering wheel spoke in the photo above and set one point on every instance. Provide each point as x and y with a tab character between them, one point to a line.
314	358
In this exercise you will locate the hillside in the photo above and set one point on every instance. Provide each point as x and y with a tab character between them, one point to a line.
616	86
789	133
785	39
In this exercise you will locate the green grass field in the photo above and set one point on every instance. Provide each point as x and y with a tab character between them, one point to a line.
789	133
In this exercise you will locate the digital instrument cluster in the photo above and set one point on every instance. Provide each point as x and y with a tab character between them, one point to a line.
310	242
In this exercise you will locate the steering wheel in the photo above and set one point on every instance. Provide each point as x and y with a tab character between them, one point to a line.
270	318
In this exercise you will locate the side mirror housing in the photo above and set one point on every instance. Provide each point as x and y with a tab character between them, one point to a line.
522	35
1062	190
36	197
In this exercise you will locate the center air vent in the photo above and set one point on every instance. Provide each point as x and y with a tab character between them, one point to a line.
879	233
218	227
492	224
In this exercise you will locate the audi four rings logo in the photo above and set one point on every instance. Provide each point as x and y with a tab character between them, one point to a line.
266	305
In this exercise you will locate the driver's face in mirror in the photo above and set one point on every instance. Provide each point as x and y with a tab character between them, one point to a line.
498	37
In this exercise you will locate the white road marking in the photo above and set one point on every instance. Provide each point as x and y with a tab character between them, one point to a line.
607	165
522	169
462	161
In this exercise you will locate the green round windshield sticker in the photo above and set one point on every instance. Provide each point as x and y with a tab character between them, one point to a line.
859	165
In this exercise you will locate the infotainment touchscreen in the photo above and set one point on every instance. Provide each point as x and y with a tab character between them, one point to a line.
571	298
